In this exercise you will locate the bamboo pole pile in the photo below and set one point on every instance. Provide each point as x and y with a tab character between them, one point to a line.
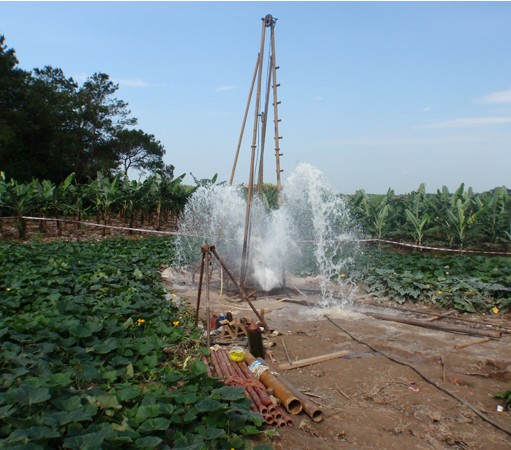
238	374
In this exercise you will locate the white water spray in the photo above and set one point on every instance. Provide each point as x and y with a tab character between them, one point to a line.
311	232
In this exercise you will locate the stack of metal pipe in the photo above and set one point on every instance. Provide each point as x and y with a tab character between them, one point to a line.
237	373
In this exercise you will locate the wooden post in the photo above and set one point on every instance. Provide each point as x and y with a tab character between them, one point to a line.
200	288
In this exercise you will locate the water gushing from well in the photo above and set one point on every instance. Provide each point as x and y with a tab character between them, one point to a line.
311	233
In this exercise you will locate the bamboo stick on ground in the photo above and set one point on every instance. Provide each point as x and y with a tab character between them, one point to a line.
439	316
438	326
474	342
313	360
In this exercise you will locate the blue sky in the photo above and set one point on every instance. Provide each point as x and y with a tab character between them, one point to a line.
374	94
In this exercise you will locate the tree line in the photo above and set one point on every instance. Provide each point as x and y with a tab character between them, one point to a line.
50	126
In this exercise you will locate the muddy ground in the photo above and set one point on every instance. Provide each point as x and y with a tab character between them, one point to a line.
369	401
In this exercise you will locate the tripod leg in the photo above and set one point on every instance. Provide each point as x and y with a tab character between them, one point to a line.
200	288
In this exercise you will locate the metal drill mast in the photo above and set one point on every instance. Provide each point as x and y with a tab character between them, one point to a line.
259	131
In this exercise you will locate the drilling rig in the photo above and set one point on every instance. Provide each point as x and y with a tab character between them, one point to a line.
261	118
262	114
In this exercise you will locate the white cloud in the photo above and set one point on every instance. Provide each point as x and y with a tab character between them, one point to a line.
136	83
497	97
228	87
469	122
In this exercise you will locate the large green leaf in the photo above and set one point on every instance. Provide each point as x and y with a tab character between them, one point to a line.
208	404
157	423
30	395
148	442
88	441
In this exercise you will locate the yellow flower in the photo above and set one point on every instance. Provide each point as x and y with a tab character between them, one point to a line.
469	292
140	321
439	292
495	310
174	295
428	286
343	275
175	323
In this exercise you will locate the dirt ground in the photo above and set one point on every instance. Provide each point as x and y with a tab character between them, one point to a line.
369	401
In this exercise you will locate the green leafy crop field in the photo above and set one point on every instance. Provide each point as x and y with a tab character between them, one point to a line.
466	283
94	355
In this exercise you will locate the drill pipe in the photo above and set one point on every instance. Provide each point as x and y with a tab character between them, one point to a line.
261	390
257	391
280	390
269	419
218	366
208	369
285	416
250	392
220	372
309	407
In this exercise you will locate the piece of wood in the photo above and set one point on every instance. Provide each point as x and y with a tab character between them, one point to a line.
313	360
438	326
342	393
285	349
502	328
433	318
475	341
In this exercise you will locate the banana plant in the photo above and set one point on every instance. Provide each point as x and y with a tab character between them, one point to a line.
133	198
464	214
499	217
418	224
106	193
56	198
416	215
458	220
21	198
439	204
373	211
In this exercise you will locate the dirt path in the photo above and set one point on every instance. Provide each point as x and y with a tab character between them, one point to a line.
369	401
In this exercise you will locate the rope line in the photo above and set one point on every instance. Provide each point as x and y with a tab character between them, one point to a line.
437	249
176	233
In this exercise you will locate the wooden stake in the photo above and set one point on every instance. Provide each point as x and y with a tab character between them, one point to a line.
313	360
200	288
285	349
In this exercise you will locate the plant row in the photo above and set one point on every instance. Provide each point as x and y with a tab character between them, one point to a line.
466	283
154	201
459	219
95	355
